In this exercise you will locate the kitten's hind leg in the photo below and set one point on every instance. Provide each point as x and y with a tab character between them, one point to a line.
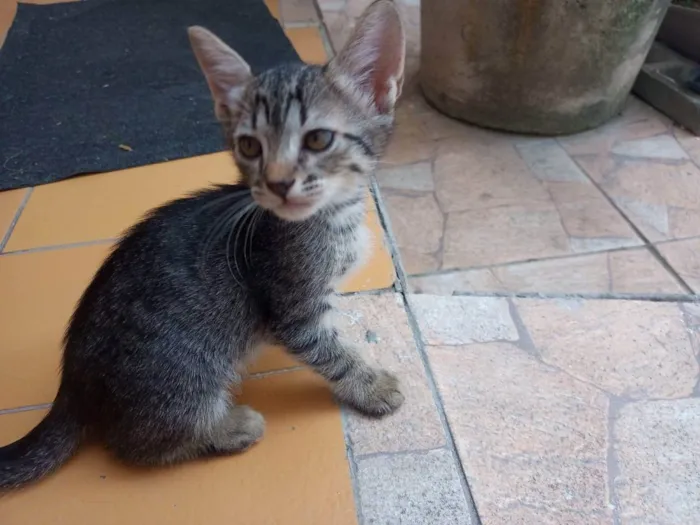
240	429
234	429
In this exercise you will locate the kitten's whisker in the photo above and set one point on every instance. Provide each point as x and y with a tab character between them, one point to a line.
224	199
219	226
238	225
248	245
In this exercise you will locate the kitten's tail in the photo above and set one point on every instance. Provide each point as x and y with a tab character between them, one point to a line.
48	446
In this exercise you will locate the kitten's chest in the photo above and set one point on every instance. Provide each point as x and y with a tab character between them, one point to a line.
350	253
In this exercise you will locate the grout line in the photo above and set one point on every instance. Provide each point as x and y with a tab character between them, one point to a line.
27	408
679	239
458	269
394	453
418	339
352	466
391	244
54	247
650	246
373	291
327	42
15	219
676	298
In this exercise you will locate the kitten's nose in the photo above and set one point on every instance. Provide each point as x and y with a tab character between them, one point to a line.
280	188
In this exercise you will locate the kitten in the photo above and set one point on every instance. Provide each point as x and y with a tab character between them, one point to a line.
151	352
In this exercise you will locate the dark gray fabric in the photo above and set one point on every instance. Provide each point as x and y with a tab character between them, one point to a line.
79	80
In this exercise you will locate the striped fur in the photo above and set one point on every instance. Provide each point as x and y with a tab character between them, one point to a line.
156	344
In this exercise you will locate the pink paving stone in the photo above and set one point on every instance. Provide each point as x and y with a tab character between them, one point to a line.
505	234
658	452
638	271
684	257
633	271
531	438
654	196
463	320
629	348
485	172
379	327
417	224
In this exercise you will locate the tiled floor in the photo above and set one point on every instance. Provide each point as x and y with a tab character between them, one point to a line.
544	324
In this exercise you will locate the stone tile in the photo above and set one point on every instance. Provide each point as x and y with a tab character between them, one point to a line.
587	215
638	271
659	147
658	198
484	173
379	328
583	274
689	142
415	177
407	148
338	28
684	256
412	489
463	320
532	439
548	161
633	271
417	224
298	12
659	462
458	281
503	235
631	125
628	348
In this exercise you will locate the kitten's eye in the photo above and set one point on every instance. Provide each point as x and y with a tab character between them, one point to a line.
249	147
318	140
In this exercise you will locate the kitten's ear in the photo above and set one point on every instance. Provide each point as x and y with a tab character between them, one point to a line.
225	70
372	61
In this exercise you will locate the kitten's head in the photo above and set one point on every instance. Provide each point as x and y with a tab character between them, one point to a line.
307	137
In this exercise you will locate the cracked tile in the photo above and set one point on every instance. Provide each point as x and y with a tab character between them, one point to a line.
629	348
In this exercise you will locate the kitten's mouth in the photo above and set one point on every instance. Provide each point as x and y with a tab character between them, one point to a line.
296	209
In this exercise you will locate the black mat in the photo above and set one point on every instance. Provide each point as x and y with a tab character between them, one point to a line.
108	84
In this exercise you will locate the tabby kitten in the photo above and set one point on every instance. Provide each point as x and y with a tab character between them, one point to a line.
154	345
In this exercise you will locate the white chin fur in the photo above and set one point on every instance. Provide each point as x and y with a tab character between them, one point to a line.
294	214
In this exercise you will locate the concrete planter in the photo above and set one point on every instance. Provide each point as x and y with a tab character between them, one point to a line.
534	66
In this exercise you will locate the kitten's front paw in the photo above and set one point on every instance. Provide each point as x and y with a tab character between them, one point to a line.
373	394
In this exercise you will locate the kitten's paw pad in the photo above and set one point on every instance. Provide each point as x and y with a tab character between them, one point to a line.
245	428
381	397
